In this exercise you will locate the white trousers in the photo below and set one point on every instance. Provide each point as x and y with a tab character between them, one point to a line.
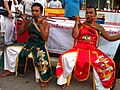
68	62
9	27
10	55
2	23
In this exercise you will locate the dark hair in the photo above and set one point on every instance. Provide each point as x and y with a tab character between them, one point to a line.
39	5
92	7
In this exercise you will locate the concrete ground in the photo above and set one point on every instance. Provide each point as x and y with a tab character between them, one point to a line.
27	82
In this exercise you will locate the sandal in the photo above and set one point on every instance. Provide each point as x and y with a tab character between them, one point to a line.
63	87
43	85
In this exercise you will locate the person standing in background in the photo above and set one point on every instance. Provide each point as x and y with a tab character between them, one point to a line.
21	6
28	3
25	6
43	3
72	7
117	9
55	4
107	7
9	22
19	1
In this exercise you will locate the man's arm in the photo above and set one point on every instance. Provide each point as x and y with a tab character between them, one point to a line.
24	27
76	28
44	28
8	9
45	31
105	35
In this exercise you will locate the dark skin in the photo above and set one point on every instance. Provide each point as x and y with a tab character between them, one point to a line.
37	15
90	18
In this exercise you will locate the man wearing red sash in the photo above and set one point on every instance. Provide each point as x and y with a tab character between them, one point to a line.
85	54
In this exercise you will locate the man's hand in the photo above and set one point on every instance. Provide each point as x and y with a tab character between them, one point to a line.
77	19
24	17
10	15
40	20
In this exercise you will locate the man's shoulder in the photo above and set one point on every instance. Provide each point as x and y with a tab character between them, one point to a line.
98	25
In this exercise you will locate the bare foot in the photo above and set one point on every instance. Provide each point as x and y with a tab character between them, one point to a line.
43	85
5	73
63	87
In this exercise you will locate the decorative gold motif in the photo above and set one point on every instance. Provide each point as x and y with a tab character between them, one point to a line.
86	37
80	72
42	62
105	69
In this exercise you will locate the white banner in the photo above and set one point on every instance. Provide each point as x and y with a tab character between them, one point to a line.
60	38
107	47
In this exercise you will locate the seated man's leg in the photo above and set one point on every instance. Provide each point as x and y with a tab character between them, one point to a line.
10	54
68	63
97	82
103	72
42	84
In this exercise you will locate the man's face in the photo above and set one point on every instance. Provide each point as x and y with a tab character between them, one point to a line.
90	14
36	12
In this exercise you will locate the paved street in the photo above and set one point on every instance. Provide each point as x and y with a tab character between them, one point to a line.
27	82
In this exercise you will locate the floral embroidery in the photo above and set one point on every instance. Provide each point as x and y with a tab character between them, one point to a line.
43	64
105	69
